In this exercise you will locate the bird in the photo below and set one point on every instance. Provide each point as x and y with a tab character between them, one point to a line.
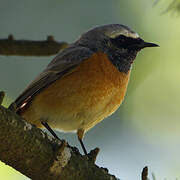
85	83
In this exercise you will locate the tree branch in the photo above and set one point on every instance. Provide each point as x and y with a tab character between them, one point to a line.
38	156
30	48
173	5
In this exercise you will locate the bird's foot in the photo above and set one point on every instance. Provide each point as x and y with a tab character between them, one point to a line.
63	145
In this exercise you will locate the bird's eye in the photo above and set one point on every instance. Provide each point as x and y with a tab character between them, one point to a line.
124	42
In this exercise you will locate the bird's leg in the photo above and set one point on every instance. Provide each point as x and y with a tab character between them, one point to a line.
45	124
80	134
63	142
93	154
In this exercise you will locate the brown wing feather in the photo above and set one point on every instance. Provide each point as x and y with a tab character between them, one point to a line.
64	62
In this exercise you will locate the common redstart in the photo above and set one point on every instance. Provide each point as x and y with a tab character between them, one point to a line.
84	83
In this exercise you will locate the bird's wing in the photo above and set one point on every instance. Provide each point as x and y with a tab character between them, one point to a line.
64	62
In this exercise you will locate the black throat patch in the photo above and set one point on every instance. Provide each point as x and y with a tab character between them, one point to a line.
122	59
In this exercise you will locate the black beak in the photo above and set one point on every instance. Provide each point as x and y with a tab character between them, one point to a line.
147	44
139	44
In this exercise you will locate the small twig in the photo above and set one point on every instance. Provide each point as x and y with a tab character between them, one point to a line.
93	154
144	175
10	47
2	94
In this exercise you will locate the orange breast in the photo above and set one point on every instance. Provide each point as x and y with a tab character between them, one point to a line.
81	98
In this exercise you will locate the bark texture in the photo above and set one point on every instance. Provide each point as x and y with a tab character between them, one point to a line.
38	156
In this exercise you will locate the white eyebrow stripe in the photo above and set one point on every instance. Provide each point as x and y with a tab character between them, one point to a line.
124	32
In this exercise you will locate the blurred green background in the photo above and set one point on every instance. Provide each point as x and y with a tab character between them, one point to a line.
146	128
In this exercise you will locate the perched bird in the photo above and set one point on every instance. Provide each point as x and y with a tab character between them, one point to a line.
84	83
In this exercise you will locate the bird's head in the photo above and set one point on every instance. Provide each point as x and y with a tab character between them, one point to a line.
119	42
